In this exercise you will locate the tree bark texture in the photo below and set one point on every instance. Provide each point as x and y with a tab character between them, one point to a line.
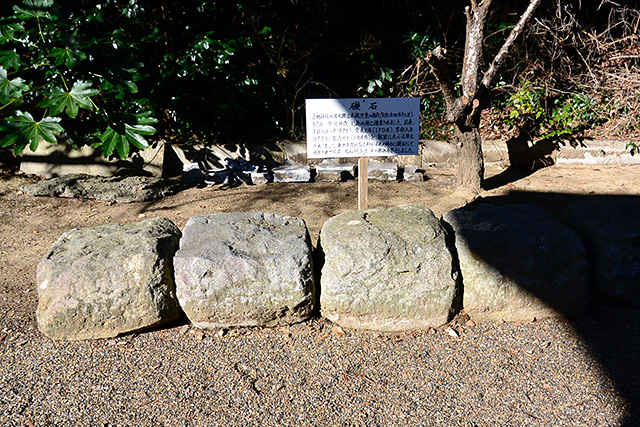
464	110
470	173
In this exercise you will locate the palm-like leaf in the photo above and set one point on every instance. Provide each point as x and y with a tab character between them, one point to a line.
71	102
24	130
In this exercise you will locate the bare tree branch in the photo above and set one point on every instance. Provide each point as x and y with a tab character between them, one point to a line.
476	23
441	70
506	47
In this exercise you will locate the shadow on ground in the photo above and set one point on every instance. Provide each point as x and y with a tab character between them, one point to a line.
612	332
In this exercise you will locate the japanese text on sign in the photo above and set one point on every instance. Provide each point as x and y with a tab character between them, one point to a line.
364	127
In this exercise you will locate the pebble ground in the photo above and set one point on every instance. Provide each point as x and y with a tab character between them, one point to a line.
578	372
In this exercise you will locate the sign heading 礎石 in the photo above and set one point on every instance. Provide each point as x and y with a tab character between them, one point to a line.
362	127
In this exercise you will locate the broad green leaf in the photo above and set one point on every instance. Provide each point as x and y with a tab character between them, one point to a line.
123	148
31	132
121	136
7	32
10	139
129	86
10	89
67	56
34	9
110	138
38	3
10	59
22	13
78	97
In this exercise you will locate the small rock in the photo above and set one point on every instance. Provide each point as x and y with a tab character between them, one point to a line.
260	178
449	330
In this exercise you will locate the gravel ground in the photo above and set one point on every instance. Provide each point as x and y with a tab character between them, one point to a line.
581	371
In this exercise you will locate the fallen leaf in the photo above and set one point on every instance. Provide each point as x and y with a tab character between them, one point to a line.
338	330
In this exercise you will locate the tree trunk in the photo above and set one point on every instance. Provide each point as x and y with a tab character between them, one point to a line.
470	159
464	110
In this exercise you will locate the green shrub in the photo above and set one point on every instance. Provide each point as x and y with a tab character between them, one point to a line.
59	80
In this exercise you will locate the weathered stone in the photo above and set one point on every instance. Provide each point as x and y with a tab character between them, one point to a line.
117	189
439	152
517	262
387	269
109	280
292	173
610	232
331	171
51	160
383	171
260	178
245	269
411	174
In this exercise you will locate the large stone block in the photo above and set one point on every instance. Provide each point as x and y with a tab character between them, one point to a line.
292	173
387	269
383	171
245	269
517	262
331	171
109	280
610	232
52	160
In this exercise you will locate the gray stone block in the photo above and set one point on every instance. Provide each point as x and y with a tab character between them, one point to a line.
292	173
331	171
51	160
109	280
387	269
610	232
260	178
245	269
517	263
119	189
412	174
383	171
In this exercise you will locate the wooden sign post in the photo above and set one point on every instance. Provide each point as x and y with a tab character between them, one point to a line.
363	128
363	183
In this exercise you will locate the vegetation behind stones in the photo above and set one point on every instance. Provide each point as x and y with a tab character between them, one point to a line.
122	75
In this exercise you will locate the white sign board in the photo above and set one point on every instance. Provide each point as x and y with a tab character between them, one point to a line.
363	127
